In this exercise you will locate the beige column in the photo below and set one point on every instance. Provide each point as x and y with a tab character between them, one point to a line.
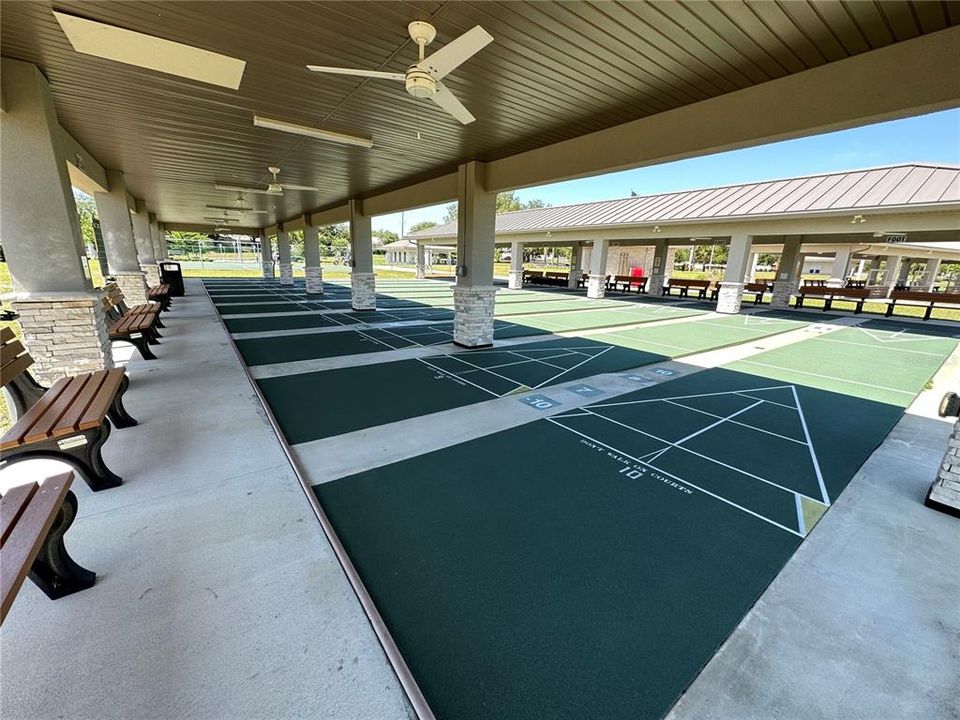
114	209
515	281
659	269
596	282
311	258
283	256
473	296
363	283
62	317
576	266
731	288
788	272
143	239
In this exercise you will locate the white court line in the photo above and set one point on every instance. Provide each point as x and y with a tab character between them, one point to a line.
828	377
718	422
605	350
813	455
643	341
678	479
737	422
697	395
800	523
456	377
882	347
772	402
701	455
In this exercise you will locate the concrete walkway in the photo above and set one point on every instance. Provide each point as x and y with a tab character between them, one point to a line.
217	594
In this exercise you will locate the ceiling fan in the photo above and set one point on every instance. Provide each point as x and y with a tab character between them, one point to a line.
274	187
423	78
238	207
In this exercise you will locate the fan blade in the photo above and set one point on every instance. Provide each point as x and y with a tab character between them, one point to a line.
455	53
235	188
360	73
307	188
446	99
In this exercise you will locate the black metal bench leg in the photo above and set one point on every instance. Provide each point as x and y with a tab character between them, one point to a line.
24	392
152	336
929	311
118	413
98	475
54	571
140	343
158	323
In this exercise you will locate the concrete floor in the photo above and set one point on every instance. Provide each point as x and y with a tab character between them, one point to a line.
219	597
217	594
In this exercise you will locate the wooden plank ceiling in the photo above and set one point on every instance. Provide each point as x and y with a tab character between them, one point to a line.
556	70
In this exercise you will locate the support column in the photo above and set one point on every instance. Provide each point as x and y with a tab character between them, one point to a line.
658	271
311	258
576	260
156	237
896	265
144	243
751	275
944	494
421	261
596	283
62	317
874	269
474	294
164	249
114	210
515	281
283	256
363	282
838	272
787	278
266	256
930	276
731	288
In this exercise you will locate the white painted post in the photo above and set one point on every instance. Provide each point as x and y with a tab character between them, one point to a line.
731	289
838	272
596	283
363	283
474	294
515	279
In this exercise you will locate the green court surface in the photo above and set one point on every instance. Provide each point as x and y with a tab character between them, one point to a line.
589	564
266	307
290	348
359	397
286	322
585	319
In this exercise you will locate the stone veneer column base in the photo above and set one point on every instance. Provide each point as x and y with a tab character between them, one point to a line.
421	272
572	278
151	274
944	494
473	316
66	334
729	298
133	286
363	288
286	273
596	286
782	290
515	280
655	284
314	280
267	268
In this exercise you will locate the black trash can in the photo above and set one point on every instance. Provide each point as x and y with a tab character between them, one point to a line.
172	275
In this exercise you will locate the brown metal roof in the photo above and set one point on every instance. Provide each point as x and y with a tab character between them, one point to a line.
898	186
173	137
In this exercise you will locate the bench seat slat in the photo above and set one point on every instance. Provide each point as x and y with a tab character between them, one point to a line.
10	350
70	422
54	411
14	437
11	507
10	370
27	536
6	334
97	409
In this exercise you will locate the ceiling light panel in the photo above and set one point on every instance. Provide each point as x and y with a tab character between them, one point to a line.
284	126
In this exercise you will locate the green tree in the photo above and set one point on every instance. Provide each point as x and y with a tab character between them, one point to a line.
422	225
86	211
506	202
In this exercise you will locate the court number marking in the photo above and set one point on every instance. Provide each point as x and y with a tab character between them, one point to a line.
540	402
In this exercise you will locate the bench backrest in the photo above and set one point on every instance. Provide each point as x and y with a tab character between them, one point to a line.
14	358
755	287
686	282
942	297
557	275
533	273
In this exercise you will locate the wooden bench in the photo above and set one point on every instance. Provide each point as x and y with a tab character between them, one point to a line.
829	294
582	280
685	285
539	277
137	326
120	308
932	299
69	422
160	294
625	282
33	520
758	289
532	276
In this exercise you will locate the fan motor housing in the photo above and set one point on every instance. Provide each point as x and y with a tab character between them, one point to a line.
420	83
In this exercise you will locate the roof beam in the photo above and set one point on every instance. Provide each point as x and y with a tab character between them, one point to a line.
907	78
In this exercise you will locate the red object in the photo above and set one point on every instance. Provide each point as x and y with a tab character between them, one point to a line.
636	272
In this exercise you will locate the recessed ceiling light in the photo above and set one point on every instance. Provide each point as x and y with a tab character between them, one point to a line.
133	48
284	126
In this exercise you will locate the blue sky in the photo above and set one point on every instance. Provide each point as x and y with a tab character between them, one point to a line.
931	138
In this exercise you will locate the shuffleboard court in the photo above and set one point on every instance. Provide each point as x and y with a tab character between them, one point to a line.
632	314
287	322
411	388
290	348
627	541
